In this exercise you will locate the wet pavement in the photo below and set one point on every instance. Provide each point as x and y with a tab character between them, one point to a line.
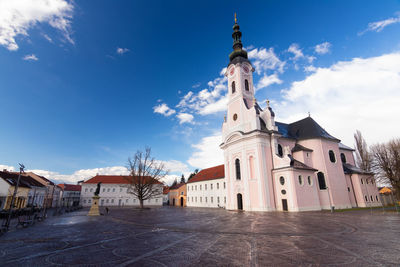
170	236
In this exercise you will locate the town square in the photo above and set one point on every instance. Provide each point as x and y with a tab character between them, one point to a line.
168	236
221	134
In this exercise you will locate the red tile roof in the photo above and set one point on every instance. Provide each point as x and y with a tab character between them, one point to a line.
176	186
70	187
114	179
209	174
165	190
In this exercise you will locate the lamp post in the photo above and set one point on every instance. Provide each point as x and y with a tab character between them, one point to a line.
21	170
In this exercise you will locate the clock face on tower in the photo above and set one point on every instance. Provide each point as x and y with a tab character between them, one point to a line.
246	69
232	71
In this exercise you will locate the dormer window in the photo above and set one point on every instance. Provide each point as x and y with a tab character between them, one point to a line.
280	150
246	85
332	157
343	157
233	87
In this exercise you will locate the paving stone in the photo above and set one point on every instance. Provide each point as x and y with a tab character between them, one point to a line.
170	236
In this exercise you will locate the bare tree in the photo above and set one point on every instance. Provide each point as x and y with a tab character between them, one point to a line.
145	174
386	163
363	157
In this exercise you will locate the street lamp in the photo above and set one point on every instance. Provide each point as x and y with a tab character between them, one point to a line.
21	170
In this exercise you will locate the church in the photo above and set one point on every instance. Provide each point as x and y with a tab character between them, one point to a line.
275	166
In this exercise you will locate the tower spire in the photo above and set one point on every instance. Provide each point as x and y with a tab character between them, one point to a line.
237	43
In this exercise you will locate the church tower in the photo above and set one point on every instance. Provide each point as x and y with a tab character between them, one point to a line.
247	137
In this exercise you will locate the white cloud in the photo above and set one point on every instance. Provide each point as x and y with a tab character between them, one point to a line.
164	110
83	174
378	26
48	38
208	152
17	17
185	118
296	51
206	101
310	68
6	167
174	166
358	94
122	51
264	60
197	85
323	48
266	81
31	57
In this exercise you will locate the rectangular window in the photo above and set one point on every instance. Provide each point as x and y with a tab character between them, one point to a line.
200	187
224	185
212	199
200	199
113	189
217	185
224	199
126	201
85	189
218	200
196	187
211	186
205	187
112	200
206	199
89	201
120	189
192	199
196	199
107	200
108	189
104	190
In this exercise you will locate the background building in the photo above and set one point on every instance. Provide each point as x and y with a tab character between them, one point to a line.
207	188
71	195
177	195
114	192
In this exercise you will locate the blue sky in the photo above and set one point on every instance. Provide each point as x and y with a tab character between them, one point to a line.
85	84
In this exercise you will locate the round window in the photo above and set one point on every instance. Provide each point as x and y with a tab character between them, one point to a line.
234	116
283	192
282	180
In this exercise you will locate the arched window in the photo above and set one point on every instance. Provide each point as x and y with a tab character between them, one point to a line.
309	180
280	150
343	157
233	87
366	198
300	180
237	167
282	180
372	199
332	156
246	85
321	181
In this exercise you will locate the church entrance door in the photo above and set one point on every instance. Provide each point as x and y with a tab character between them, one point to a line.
284	204
239	202
181	201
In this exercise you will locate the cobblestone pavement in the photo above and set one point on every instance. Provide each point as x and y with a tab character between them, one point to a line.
170	236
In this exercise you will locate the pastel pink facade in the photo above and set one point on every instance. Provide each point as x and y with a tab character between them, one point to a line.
276	166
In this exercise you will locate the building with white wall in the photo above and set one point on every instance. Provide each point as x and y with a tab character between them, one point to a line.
113	192
207	188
